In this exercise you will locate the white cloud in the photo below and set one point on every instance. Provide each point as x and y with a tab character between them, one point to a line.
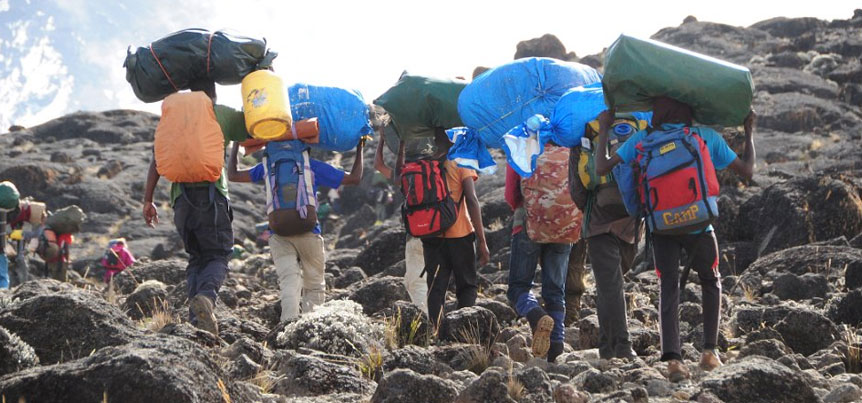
4	6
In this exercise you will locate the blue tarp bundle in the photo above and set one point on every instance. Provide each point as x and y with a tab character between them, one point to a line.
342	114
575	109
506	96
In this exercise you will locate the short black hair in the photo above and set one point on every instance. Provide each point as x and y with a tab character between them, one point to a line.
205	85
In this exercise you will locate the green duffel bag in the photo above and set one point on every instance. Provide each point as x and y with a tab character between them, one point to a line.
415	148
637	70
417	105
8	196
67	220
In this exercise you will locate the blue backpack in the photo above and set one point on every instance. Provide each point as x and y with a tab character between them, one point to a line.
290	200
672	182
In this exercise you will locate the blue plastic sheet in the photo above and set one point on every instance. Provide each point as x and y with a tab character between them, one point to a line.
468	151
508	95
342	114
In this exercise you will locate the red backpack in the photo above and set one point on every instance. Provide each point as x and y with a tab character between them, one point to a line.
428	208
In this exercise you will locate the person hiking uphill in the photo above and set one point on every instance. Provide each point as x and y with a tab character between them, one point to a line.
545	225
202	211
300	258
611	233
450	251
414	260
117	258
658	152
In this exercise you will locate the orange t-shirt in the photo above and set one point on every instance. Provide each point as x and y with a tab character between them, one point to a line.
455	176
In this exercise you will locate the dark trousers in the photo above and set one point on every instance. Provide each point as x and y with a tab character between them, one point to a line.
444	258
610	258
704	248
203	219
576	281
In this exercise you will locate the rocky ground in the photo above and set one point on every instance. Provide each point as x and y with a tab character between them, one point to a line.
791	260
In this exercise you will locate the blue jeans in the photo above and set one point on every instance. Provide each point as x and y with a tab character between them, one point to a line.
525	256
4	271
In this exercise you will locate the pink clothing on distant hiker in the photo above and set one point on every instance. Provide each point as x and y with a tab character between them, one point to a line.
125	260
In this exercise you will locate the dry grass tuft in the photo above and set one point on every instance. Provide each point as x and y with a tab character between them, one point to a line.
853	356
162	316
265	380
514	386
479	355
224	395
370	365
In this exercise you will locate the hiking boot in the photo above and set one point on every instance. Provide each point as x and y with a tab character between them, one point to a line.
626	354
555	350
573	310
676	371
542	336
202	307
709	360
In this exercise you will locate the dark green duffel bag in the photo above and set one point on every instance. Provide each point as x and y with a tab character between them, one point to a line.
637	70
417	105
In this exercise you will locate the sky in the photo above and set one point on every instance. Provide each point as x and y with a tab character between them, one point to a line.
60	56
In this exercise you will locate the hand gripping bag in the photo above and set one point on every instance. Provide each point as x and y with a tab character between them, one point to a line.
342	114
189	144
506	96
637	70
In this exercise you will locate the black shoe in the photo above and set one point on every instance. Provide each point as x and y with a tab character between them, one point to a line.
627	354
555	350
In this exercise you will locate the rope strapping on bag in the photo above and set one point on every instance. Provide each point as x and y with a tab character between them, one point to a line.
163	68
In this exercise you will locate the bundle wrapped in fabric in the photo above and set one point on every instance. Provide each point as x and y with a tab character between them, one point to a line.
567	125
171	63
637	70
342	114
8	196
419	105
506	96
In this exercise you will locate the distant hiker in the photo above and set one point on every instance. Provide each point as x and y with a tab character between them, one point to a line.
298	251
680	162
414	260
545	224
57	237
189	150
380	194
25	223
441	207
612	234
117	258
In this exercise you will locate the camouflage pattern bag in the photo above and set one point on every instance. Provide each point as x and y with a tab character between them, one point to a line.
552	216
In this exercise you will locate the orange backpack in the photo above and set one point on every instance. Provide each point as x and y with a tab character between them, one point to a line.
189	144
552	216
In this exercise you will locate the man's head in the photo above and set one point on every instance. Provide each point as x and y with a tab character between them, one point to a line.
207	86
669	110
441	140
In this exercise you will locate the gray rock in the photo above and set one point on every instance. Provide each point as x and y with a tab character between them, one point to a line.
847	309
146	299
414	358
413	326
248	347
187	331
243	367
789	27
349	277
566	393
844	394
545	46
474	324
385	249
148	369
537	384
756	379
595	381
767	348
310	376
505	314
69	325
789	286
378	294
588	332
404	385
15	354
169	272
490	387
336	327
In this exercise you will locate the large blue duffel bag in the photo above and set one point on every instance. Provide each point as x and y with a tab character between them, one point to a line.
342	114
506	96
